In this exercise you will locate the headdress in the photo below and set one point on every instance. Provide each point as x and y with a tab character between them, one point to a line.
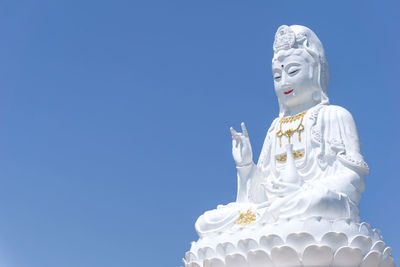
285	38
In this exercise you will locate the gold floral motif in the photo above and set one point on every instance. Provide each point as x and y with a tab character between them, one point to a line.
289	132
246	218
296	154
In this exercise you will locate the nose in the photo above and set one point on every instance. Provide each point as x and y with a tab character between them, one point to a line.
285	84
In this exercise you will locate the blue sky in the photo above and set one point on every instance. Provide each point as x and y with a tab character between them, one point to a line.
115	116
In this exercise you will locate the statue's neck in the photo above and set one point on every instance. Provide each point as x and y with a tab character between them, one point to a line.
290	111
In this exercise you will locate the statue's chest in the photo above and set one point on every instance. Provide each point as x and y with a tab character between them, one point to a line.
290	130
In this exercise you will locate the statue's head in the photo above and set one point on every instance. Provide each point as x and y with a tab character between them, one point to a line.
300	69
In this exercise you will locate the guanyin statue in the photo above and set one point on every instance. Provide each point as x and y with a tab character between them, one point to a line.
298	206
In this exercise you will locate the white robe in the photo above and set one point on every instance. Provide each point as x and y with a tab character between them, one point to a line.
332	173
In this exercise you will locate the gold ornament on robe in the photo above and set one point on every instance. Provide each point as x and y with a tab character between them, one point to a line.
246	218
296	154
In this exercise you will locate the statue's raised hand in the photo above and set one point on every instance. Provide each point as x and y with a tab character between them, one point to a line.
241	147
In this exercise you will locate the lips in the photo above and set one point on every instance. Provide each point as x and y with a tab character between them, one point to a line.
288	92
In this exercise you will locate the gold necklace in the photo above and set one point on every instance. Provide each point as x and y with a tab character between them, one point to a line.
289	132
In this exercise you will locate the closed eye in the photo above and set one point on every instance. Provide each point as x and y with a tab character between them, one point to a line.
294	71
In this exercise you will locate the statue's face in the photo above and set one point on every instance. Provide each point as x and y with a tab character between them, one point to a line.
295	78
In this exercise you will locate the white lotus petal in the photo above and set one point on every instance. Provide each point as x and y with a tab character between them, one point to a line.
345	226
387	252
365	229
340	226
317	227
388	262
377	234
285	256
236	260
215	262
270	241
259	258
225	249
299	241
379	246
189	256
295	226
362	242
247	244
194	264
281	229
317	256
372	259
334	240
347	257
205	253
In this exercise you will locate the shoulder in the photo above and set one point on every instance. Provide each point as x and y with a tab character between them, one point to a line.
273	125
341	111
271	132
333	112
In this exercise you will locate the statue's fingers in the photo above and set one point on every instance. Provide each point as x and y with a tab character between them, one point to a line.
244	130
233	132
270	190
277	191
277	183
239	142
235	141
241	146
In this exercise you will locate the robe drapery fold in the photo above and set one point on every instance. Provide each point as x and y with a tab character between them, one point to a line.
332	174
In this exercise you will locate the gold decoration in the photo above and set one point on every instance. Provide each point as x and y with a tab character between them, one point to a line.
289	132
296	154
246	218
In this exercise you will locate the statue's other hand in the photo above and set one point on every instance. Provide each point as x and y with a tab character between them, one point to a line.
241	147
281	188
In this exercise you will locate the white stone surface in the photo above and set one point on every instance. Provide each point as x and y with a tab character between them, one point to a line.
306	186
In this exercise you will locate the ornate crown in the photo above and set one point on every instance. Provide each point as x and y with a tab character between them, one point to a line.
285	38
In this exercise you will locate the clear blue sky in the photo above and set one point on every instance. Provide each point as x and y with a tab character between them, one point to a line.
115	115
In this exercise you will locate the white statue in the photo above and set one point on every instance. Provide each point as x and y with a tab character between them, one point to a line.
310	164
298	206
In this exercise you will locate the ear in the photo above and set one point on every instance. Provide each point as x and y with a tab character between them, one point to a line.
317	74
316	96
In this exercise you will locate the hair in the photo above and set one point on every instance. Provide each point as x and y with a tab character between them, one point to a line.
313	46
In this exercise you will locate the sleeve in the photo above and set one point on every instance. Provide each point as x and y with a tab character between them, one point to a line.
264	159
259	172
341	139
339	155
